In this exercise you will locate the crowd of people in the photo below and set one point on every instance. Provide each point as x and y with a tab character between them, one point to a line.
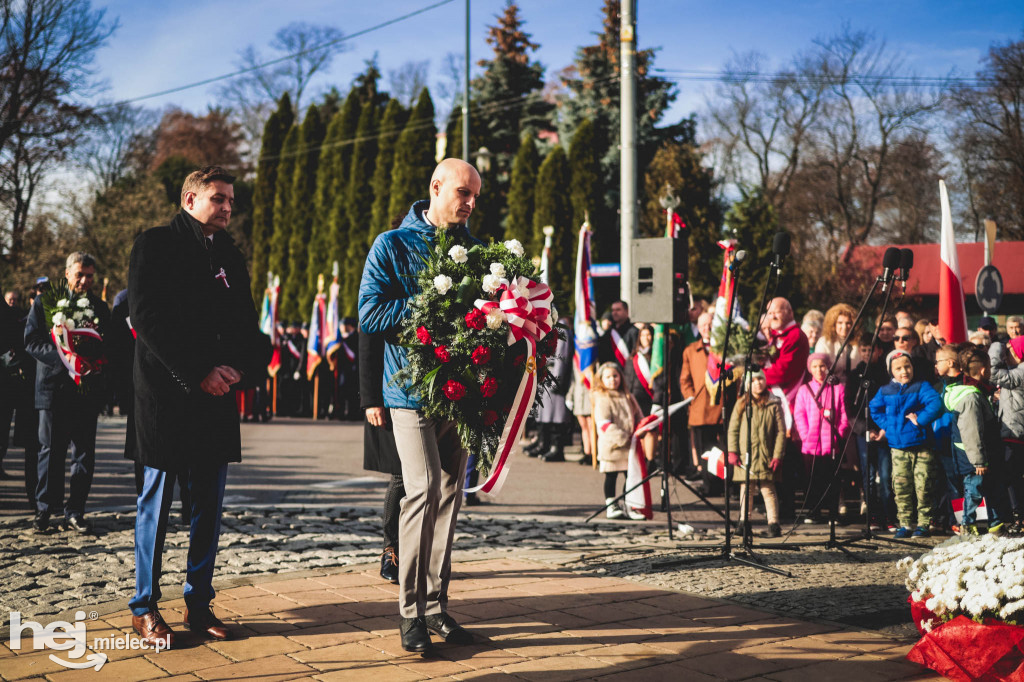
897	429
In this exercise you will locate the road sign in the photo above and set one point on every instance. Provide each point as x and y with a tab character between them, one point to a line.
988	289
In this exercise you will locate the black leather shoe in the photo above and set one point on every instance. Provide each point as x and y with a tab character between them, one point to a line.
587	461
415	637
553	455
203	622
445	626
78	524
41	522
389	565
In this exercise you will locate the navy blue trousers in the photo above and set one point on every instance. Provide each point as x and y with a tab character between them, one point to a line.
206	490
68	423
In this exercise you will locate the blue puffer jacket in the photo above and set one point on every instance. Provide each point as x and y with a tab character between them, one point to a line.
389	281
892	404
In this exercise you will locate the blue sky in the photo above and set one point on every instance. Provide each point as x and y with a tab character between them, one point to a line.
163	45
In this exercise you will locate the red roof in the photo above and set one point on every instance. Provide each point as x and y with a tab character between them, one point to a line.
1008	257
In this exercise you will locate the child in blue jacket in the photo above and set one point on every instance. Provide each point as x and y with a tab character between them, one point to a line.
903	409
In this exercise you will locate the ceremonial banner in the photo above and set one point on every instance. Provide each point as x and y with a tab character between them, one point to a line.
952	311
317	335
333	322
584	322
268	320
726	289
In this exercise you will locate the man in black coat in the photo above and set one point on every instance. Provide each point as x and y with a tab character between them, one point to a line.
618	343
197	341
67	412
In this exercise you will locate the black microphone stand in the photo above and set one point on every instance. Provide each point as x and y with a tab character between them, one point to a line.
745	556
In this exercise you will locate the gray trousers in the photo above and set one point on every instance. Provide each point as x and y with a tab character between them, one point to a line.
433	470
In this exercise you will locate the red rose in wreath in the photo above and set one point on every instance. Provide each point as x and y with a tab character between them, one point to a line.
454	390
442	354
475	319
424	336
490	416
489	387
481	356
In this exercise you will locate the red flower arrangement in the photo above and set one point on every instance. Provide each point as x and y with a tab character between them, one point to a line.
475	319
424	336
481	356
453	390
489	387
442	354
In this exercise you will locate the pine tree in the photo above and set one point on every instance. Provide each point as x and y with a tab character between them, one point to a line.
335	208
414	157
594	96
328	183
359	200
753	222
390	129
274	133
585	190
279	241
679	165
520	196
552	207
507	97
296	293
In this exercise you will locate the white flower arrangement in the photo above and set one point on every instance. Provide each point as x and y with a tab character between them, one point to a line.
83	303
978	578
495	319
59	318
515	248
62	303
442	283
498	269
491	283
459	254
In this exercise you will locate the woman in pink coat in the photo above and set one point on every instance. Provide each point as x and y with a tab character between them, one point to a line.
820	418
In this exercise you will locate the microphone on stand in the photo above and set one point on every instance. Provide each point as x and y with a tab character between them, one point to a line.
780	249
906	263
740	256
890	263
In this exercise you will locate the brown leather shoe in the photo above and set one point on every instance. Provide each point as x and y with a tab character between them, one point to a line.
204	622
151	628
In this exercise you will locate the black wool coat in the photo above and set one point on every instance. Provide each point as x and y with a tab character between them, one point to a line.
379	450
187	322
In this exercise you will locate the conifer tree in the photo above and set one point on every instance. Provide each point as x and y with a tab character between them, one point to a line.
279	241
328	184
390	129
336	208
597	84
585	191
520	195
359	201
552	207
414	156
679	164
274	133
509	77
296	293
753	222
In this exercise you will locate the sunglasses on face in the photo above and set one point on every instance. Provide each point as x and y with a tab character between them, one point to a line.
902	338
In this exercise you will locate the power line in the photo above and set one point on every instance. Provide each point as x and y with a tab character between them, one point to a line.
817	79
264	65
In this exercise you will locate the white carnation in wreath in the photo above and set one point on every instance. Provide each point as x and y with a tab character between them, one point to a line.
515	247
498	269
442	283
458	254
491	283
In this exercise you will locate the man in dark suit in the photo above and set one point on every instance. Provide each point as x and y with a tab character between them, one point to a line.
67	412
197	342
618	344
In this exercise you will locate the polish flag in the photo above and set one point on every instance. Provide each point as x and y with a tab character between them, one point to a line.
952	312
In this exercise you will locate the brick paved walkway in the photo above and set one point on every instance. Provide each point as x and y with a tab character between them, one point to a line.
535	622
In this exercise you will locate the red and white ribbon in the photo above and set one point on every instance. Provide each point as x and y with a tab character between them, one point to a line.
639	496
642	369
620	348
64	339
527	308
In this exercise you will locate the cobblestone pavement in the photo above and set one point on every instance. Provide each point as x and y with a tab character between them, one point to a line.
62	571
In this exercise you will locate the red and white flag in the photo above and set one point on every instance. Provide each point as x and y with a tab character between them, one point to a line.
952	311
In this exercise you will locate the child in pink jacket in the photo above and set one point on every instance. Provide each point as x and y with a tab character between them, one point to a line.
820	418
